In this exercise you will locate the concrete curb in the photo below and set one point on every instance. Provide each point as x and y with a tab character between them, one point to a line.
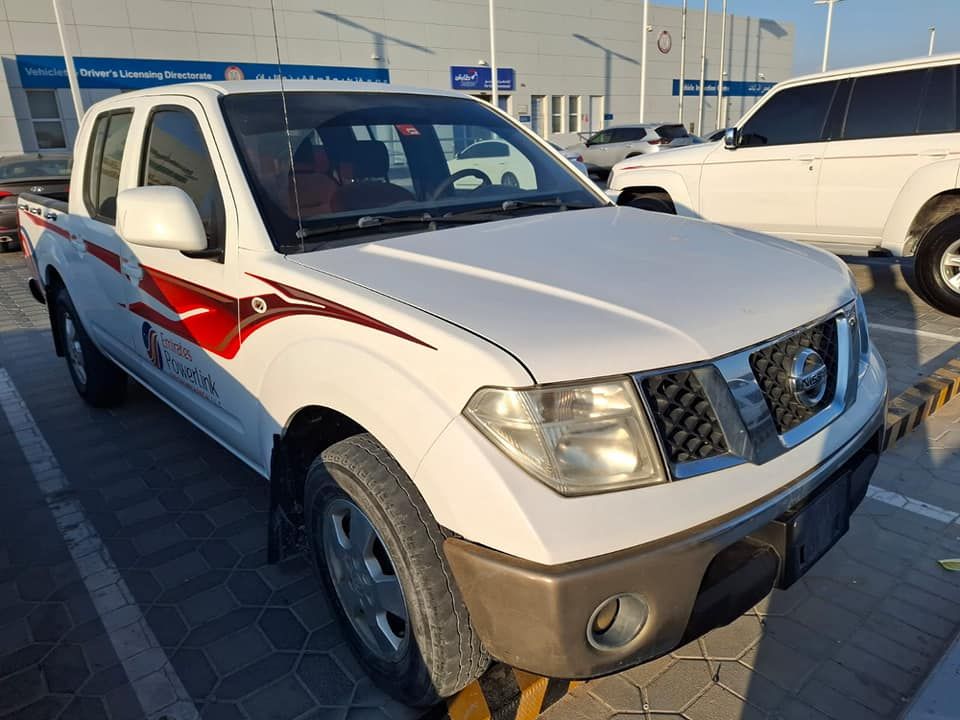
505	693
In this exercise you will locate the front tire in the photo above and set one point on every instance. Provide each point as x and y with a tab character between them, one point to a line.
379	552
97	379
937	266
654	202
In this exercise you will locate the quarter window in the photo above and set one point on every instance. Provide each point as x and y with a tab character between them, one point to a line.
794	115
177	156
884	105
938	113
102	178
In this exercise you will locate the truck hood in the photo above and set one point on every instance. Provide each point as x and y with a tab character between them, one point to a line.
589	293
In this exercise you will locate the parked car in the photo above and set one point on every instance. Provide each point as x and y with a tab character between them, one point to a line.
498	416
500	161
604	149
573	156
43	173
860	161
716	136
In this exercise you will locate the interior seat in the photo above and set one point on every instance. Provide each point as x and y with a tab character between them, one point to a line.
363	169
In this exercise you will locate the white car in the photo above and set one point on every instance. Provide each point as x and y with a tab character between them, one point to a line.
514	423
861	161
498	160
607	147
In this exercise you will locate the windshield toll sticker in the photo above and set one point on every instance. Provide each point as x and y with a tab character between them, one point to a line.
408	130
176	360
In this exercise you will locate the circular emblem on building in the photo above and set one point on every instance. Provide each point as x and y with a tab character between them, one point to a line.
808	377
233	73
664	42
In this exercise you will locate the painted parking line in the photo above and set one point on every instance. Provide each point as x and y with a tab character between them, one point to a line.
909	504
914	331
155	683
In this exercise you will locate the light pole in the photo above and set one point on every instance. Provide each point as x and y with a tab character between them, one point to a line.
826	40
933	38
68	60
494	81
703	66
723	52
683	56
643	59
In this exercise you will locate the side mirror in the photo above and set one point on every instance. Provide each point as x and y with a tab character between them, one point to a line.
731	138
162	217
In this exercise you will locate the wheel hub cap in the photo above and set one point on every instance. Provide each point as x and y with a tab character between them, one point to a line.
364	578
74	349
950	266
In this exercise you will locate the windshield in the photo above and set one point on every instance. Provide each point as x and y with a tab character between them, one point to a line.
36	168
362	154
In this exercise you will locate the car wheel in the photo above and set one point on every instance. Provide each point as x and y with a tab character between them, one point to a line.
97	378
937	266
379	553
509	180
654	202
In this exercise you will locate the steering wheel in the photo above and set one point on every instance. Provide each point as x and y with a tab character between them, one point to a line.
445	186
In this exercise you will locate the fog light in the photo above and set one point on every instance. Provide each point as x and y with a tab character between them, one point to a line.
617	621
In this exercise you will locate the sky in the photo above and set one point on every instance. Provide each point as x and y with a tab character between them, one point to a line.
864	31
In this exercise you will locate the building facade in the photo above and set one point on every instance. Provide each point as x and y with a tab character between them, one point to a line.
565	66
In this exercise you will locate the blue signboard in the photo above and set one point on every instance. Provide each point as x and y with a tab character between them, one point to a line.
50	71
479	78
731	88
608	116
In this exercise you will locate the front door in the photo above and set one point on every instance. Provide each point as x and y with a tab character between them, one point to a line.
769	183
184	317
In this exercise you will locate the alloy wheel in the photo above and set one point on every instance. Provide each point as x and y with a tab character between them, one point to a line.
74	348
365	580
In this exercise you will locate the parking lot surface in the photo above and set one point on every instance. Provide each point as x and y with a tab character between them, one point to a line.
183	523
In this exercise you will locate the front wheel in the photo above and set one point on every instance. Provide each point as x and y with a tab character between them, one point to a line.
379	552
937	266
97	379
654	202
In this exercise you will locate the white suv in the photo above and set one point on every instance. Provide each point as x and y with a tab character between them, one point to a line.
860	161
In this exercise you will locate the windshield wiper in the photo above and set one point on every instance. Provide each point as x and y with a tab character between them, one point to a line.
369	222
509	205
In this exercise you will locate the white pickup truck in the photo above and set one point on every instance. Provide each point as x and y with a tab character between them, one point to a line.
508	422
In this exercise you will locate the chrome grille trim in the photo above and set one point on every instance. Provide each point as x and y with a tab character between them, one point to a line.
742	409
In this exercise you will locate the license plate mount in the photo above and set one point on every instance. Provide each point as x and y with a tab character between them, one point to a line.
815	527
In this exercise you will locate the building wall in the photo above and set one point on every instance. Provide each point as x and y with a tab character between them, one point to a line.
557	47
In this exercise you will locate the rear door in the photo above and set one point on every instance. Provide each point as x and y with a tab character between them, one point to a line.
769	183
184	315
626	141
895	123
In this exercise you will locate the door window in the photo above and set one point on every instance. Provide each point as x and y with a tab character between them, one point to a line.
795	115
884	105
176	155
938	113
601	138
487	149
102	178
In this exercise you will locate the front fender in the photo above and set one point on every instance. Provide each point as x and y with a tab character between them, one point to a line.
670	181
925	183
404	396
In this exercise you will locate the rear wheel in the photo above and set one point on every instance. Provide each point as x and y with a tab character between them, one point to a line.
509	180
97	379
654	202
937	266
379	552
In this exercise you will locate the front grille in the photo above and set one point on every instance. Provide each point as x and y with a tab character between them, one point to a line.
683	415
772	366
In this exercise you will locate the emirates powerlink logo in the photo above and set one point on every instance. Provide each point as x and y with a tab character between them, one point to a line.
151	341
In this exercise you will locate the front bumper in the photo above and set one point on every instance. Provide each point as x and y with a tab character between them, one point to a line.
536	617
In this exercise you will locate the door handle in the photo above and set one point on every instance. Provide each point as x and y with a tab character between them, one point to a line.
805	158
50	216
936	152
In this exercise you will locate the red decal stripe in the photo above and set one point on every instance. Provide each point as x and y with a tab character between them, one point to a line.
103	255
46	224
326	308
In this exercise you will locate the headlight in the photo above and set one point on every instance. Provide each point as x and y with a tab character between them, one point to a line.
578	439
